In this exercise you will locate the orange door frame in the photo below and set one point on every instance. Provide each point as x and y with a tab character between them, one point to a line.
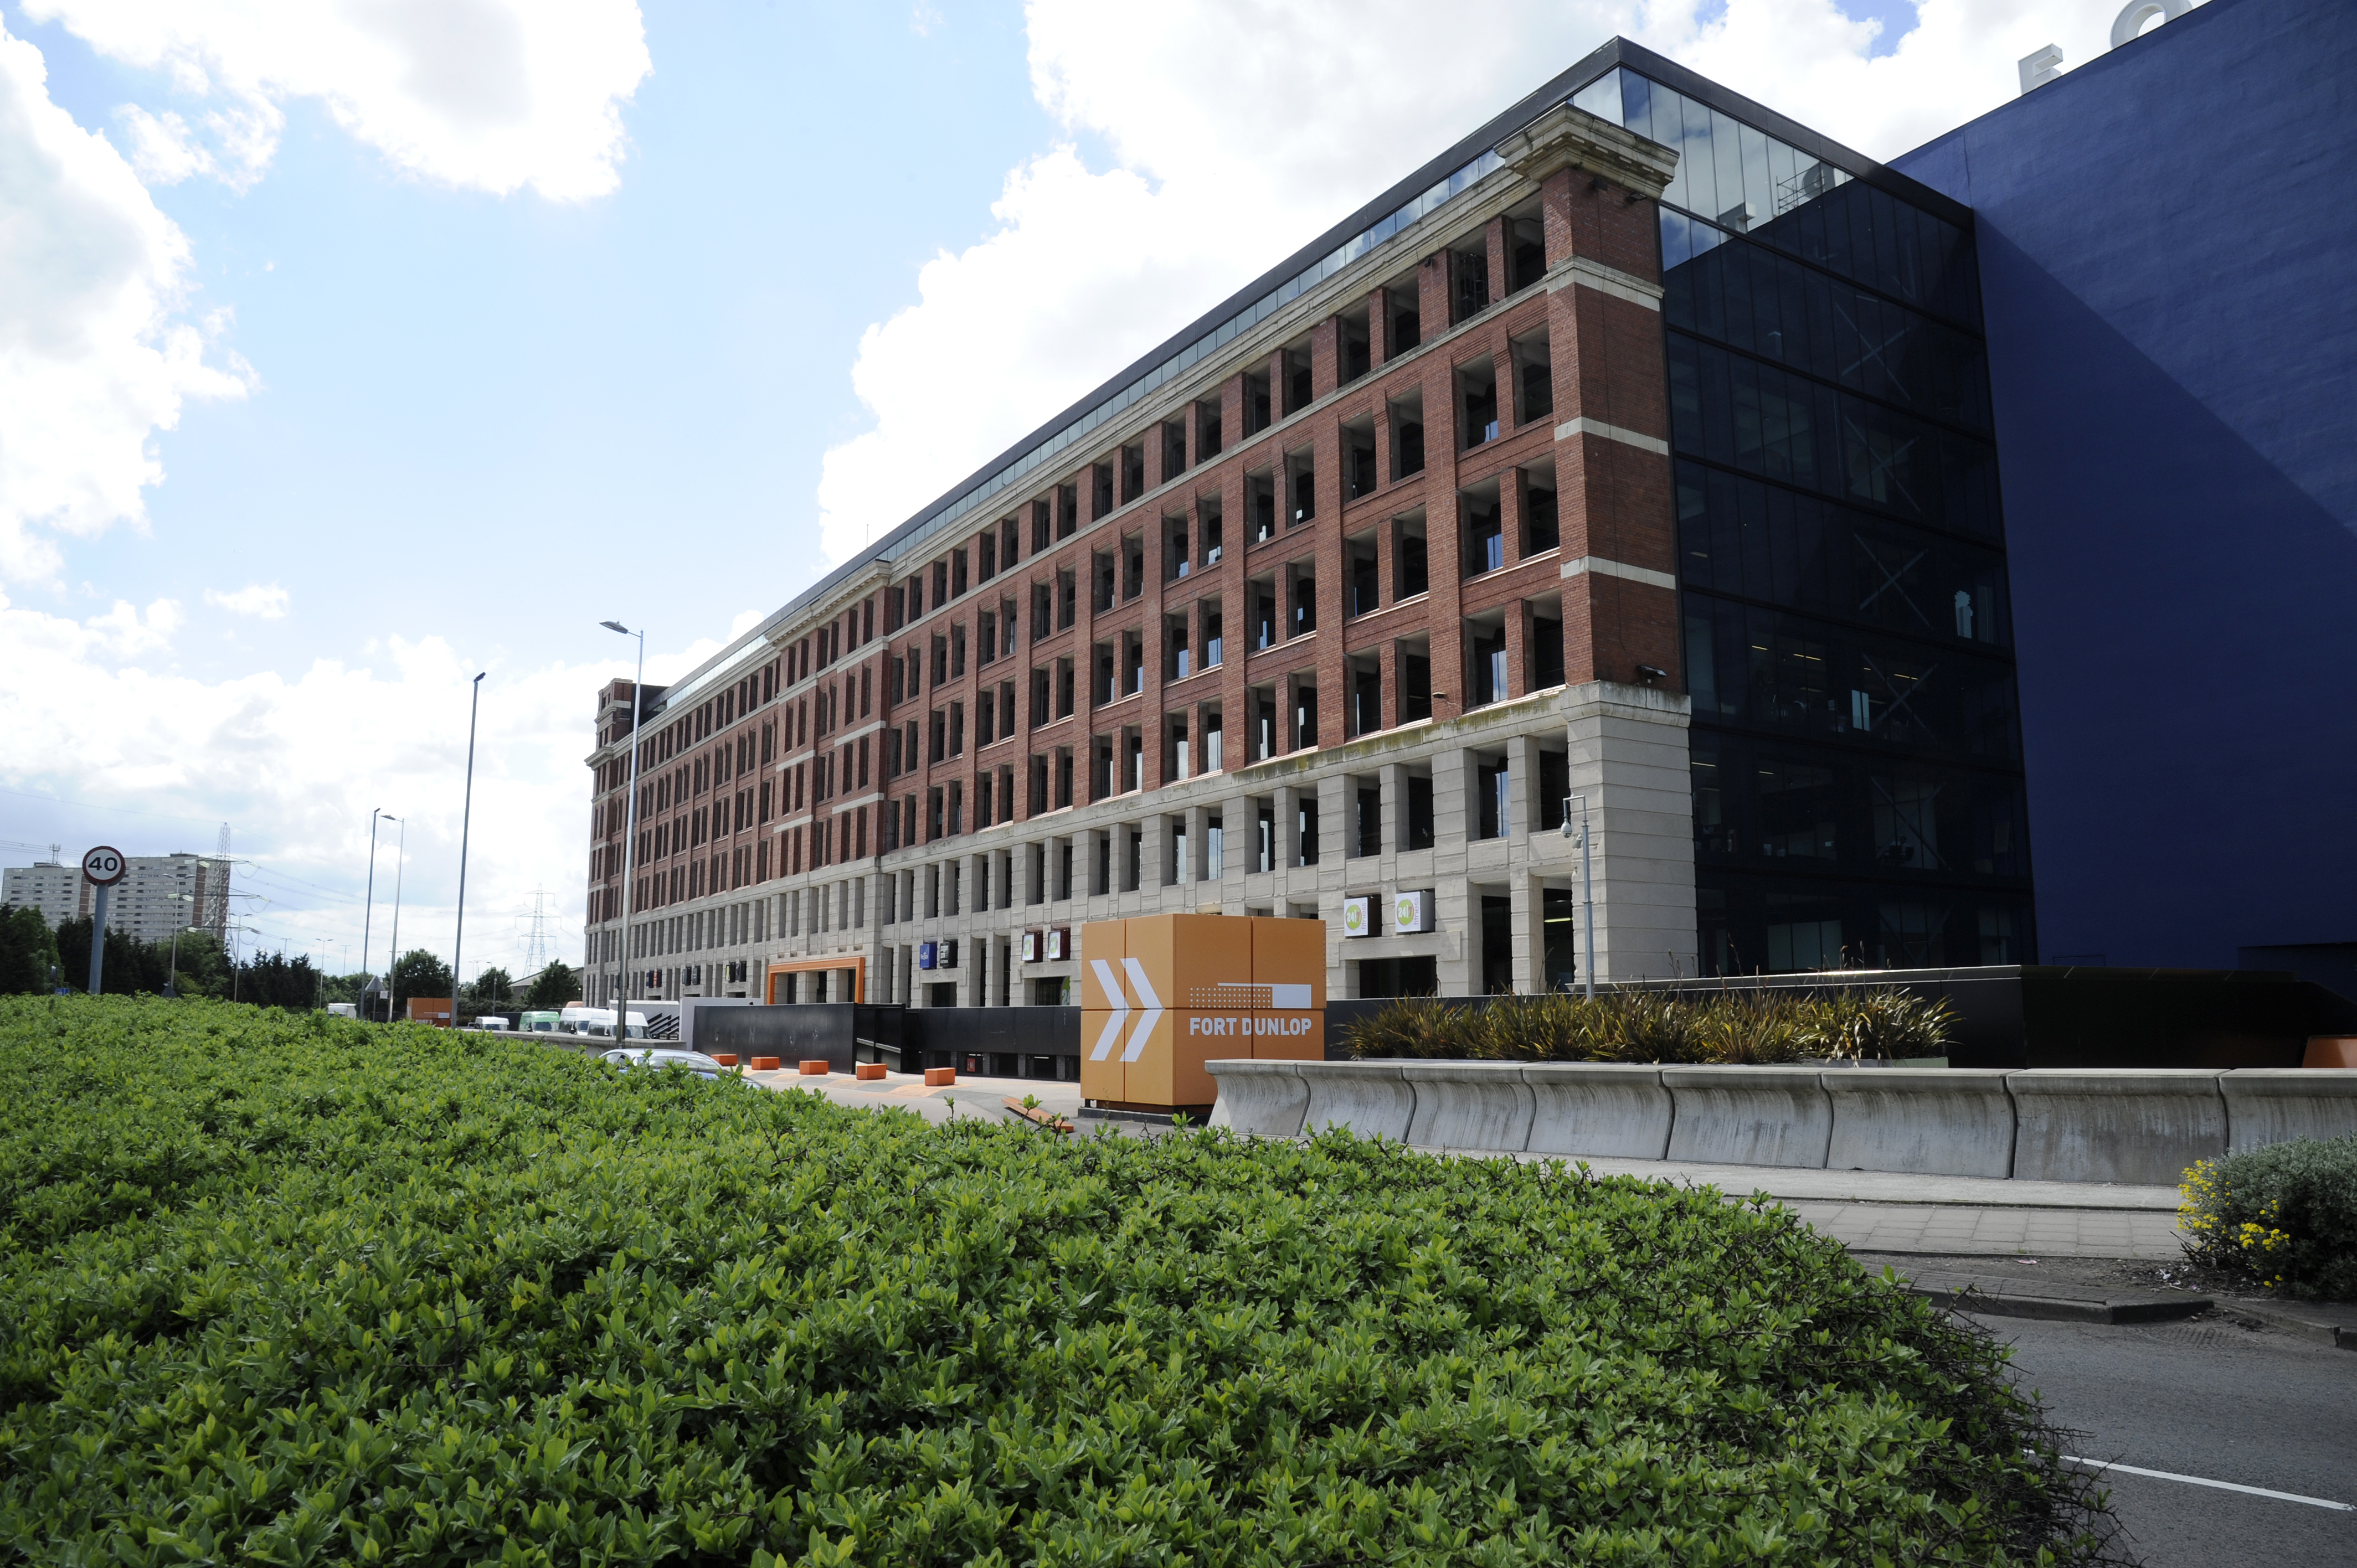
855	962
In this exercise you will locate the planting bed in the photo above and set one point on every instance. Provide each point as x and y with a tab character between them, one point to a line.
280	1288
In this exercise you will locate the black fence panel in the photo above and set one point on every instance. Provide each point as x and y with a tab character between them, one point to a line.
999	1042
801	1032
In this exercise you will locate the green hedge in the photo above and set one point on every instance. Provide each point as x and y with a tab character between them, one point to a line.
1726	1027
286	1288
2286	1214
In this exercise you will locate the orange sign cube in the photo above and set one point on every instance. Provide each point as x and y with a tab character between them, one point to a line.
1162	994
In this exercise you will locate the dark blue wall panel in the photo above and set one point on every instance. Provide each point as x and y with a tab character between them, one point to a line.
2169	264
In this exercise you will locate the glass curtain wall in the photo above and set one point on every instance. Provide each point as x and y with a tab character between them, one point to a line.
1857	782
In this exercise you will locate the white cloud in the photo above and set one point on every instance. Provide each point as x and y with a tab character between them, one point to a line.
295	764
91	360
1224	159
95	354
236	147
484	94
124	631
262	601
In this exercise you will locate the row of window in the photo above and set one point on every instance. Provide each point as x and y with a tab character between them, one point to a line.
1282	716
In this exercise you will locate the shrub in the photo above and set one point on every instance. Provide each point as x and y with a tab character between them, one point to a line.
1649	1026
282	1288
2286	1214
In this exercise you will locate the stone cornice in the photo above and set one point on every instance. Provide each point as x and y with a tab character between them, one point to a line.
1565	137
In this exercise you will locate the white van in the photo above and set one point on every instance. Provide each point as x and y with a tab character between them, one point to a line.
599	1023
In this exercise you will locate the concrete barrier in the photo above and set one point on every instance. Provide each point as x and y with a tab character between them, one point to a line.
1469	1105
2274	1105
1930	1121
1371	1098
1597	1108
2131	1127
1259	1098
2139	1127
1748	1115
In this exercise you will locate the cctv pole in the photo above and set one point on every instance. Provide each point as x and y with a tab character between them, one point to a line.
1587	883
630	818
466	818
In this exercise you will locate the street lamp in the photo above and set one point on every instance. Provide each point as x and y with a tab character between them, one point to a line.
368	910
172	986
1586	882
392	954
630	820
466	817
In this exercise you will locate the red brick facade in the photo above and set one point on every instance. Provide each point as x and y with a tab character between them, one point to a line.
798	759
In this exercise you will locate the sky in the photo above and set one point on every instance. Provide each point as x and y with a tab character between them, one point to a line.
351	347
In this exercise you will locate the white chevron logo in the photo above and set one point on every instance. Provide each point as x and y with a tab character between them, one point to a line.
1151	1006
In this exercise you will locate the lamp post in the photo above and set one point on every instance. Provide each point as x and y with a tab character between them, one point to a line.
631	818
466	818
369	909
172	986
1587	883
392	954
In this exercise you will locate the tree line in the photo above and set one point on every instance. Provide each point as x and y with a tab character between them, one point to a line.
35	958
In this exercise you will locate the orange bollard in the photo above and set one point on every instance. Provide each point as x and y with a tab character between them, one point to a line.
765	1064
935	1077
725	1060
814	1069
868	1071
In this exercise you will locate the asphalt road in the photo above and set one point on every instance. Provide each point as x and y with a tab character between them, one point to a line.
2208	1399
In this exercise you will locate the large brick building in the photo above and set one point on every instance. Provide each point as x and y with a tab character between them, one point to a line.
1466	516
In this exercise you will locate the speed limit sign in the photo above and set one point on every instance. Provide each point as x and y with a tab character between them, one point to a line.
103	865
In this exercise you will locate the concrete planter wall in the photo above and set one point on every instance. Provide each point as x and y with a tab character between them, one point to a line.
2135	1127
1939	1121
1371	1098
1749	1116
1469	1105
2141	1128
2270	1105
1599	1108
1261	1097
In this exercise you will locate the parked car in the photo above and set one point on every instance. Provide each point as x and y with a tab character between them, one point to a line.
630	1057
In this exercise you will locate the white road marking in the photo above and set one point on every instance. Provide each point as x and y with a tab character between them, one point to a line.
2222	1486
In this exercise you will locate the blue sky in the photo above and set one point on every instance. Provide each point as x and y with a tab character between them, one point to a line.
436	383
480	397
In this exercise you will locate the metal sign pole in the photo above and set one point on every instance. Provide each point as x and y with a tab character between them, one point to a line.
104	867
97	938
